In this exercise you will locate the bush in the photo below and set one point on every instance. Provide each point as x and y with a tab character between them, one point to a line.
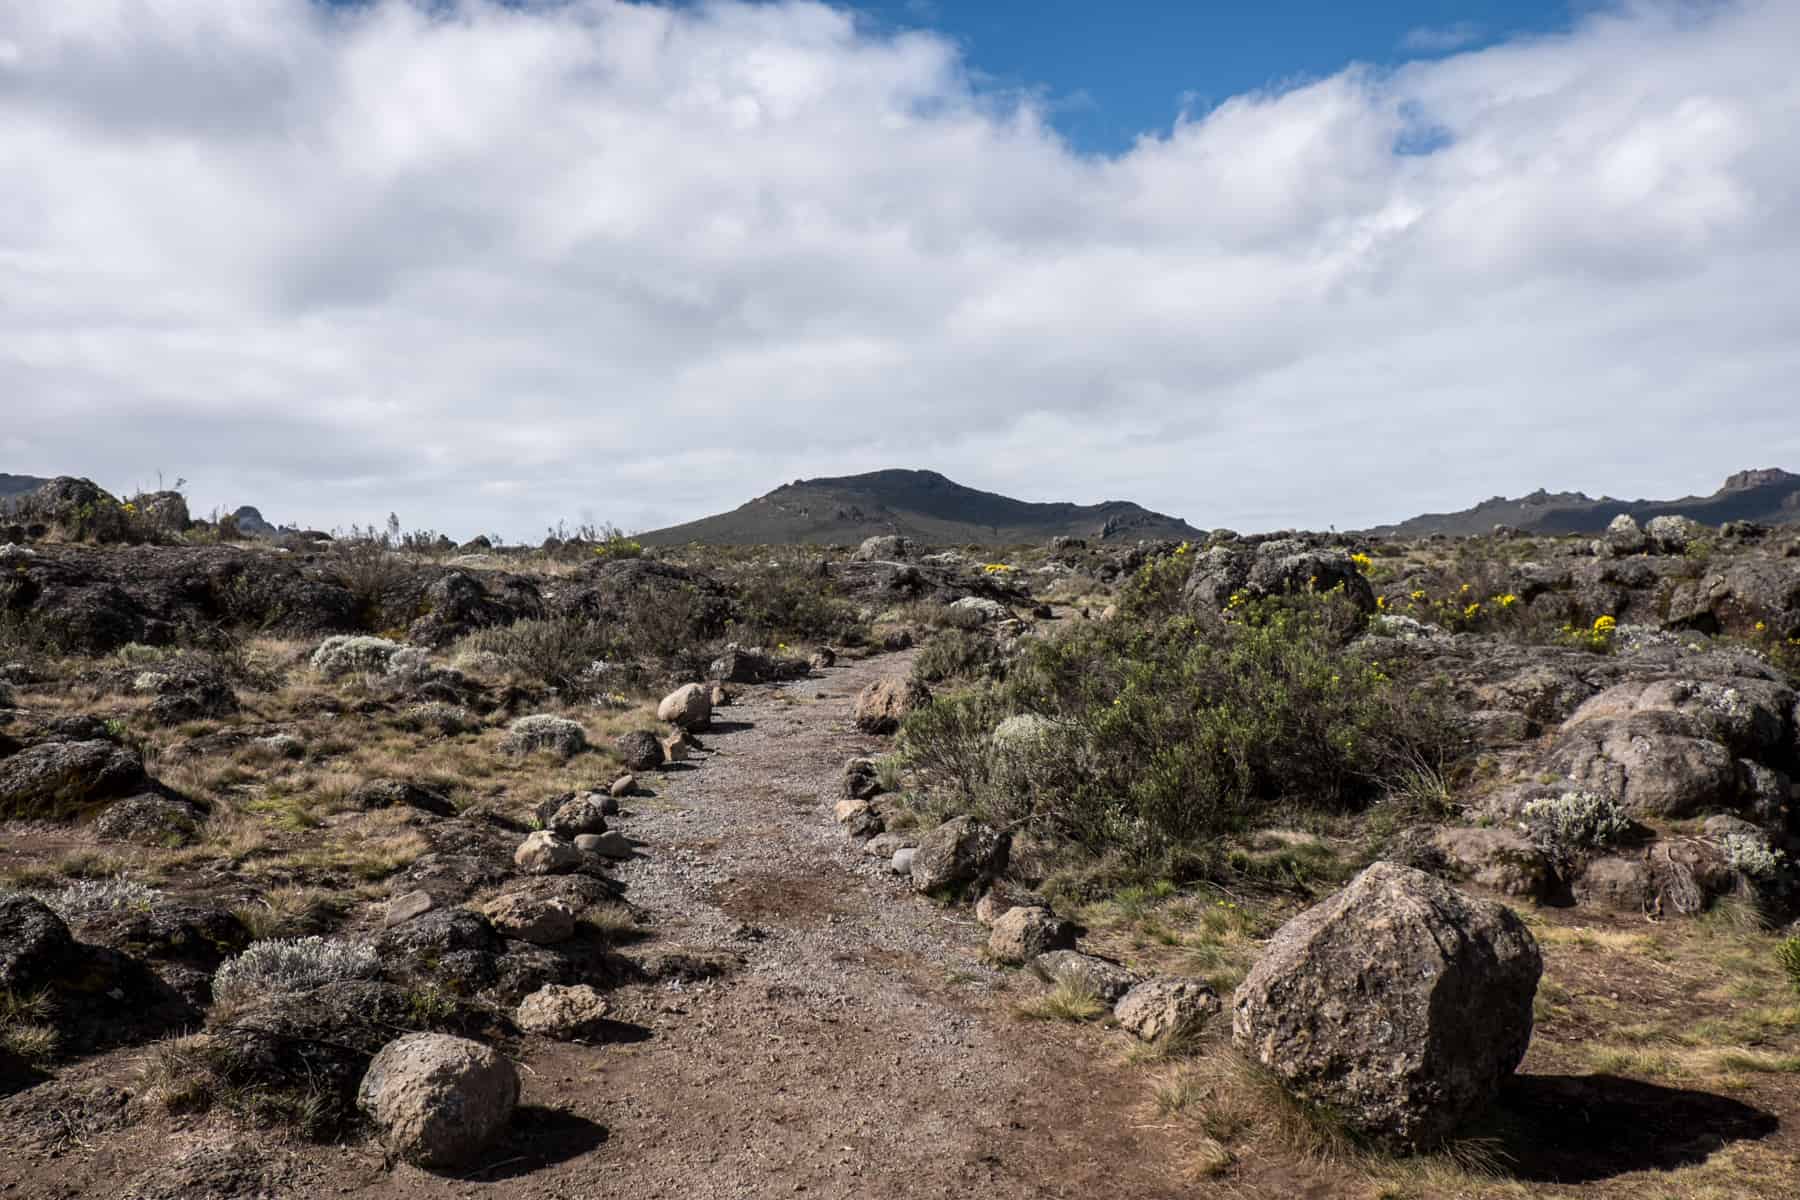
435	716
1787	956
952	654
1751	856
1576	821
85	897
559	652
346	654
541	731
793	602
292	965
1167	734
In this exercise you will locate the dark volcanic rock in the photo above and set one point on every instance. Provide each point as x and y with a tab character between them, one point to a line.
58	780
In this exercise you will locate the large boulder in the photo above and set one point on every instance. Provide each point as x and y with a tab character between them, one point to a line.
438	1100
689	706
639	750
58	780
1274	568
885	703
885	547
1021	934
1624	536
959	852
1400	1004
1166	1007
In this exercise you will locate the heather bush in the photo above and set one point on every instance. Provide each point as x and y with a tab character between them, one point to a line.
292	965
542	731
559	652
353	654
1574	822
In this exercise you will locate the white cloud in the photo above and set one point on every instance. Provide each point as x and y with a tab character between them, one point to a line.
491	266
1437	39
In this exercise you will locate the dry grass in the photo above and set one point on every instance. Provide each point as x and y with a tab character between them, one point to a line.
1066	1001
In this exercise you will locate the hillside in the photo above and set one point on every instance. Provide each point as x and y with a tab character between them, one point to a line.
1770	496
919	504
18	485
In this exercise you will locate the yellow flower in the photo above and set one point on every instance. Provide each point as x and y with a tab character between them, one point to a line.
1506	601
1472	611
1362	561
1418	596
1761	628
1605	624
1381	602
1465	589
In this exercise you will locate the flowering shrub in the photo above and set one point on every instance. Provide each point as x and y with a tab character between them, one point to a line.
1576	821
541	731
1751	856
348	654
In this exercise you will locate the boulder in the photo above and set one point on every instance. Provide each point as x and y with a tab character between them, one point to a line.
574	817
406	907
438	1100
375	794
901	863
1502	859
861	779
689	707
1165	1007
622	787
149	820
566	1013
529	918
886	547
639	750
959	852
1673	534
1106	979
676	746
1624	536
611	844
544	853
1399	1003
58	780
885	703
1021	934
978	610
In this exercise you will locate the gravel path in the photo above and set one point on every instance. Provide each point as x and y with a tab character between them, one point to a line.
861	1048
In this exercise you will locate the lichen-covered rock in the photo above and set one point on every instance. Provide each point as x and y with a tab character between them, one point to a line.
1021	934
883	547
639	750
148	819
1399	1003
689	706
1495	857
567	1013
959	852
529	918
438	1100
1165	1007
58	780
577	815
544	853
1103	978
885	703
1624	536
374	794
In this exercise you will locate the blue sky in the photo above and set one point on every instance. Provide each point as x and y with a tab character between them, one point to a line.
1113	70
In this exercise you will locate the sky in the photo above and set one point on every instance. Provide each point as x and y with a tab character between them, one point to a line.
493	266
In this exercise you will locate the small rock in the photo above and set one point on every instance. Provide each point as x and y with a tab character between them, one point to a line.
996	902
903	860
720	695
958	852
1104	978
883	845
438	1100
583	814
1160	1007
564	1013
622	787
862	779
675	748
611	844
846	810
544	853
406	906
1021	934
885	703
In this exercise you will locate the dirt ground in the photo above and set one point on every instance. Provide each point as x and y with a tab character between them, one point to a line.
856	1044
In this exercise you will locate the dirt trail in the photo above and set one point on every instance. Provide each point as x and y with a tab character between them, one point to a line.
861	1049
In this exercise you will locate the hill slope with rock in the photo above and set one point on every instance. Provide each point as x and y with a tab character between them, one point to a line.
1770	497
921	505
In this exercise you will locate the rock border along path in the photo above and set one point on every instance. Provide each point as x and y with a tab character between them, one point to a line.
861	1046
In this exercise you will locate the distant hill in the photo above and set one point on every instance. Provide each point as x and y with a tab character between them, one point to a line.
18	485
1770	495
922	505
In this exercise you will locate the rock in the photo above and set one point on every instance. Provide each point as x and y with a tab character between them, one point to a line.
848	810
582	814
862	779
1498	858
611	844
1104	978
1624	536
738	665
978	610
564	1013
997	901
902	862
689	707
886	702
886	547
438	1100
720	696
883	845
544	853
959	852
543	731
822	658
375	794
1021	934
529	918
149	820
407	906
54	781
1673	534
1164	1007
675	747
1399	1003
639	750
1618	882
622	787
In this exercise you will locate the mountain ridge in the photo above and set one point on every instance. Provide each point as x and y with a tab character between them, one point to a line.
1768	495
924	505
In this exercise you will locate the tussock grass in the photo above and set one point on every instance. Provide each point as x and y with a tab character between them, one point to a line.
1066	1001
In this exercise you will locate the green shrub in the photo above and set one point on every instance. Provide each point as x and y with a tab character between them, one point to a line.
1787	954
1573	822
956	654
1166	734
558	652
793	602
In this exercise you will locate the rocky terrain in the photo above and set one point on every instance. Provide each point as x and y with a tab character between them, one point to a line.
1251	866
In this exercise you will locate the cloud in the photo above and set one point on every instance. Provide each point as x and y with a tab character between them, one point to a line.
488	266
1439	39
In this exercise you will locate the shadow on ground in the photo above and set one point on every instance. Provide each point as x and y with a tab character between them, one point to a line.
541	1137
1585	1128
